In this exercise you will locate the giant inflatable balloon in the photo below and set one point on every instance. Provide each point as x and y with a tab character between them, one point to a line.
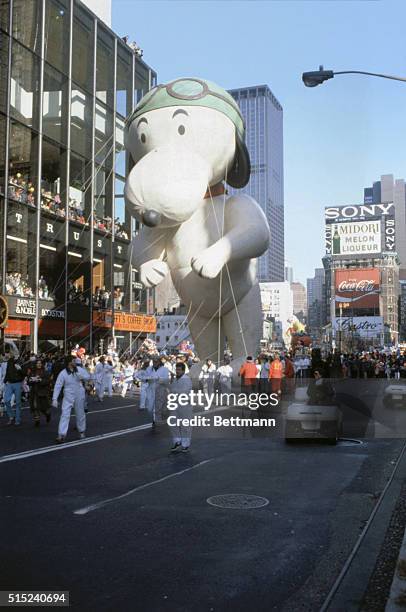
187	142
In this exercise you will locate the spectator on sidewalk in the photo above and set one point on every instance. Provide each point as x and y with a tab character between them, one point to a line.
13	384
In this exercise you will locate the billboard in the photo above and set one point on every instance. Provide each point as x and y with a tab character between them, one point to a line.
366	327
357	288
356	238
360	231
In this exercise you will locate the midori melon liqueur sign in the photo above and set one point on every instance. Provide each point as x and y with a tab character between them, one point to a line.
360	238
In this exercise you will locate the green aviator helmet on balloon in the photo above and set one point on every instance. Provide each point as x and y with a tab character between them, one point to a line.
191	91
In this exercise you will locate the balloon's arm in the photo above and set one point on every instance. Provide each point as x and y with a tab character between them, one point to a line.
246	232
149	244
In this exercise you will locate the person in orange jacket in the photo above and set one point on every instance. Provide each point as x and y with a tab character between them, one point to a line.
248	373
276	375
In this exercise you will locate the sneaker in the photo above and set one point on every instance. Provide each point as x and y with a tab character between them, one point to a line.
17	424
185	449
175	447
60	439
82	435
10	421
36	423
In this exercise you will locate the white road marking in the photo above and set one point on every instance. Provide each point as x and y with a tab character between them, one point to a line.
122	432
59	447
105	502
96	411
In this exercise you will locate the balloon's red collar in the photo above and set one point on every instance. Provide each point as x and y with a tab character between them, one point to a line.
216	190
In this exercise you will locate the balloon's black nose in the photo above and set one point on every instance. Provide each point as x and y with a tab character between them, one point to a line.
151	218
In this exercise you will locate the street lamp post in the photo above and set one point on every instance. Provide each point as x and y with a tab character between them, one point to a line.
312	79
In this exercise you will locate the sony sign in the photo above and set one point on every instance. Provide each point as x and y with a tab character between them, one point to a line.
362	211
337	222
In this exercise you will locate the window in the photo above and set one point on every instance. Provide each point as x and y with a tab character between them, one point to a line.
82	57
158	338
20	257
4	42
79	189
124	81
4	14
23	164
141	81
120	226
53	178
120	161
24	85
57	33
27	23
102	207
81	121
104	67
104	135
2	152
54	110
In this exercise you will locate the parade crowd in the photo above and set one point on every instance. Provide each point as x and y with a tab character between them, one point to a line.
49	381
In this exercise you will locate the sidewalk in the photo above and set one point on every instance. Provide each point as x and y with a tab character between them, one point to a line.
397	597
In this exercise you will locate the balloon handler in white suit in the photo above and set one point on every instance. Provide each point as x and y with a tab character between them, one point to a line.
103	377
158	378
181	434
187	140
71	380
142	376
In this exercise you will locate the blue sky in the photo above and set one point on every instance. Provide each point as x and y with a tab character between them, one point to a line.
338	137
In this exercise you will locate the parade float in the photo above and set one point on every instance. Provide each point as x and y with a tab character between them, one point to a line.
186	139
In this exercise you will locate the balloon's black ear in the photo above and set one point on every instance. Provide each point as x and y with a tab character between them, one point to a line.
240	172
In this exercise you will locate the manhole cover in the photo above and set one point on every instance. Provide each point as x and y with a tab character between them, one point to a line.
237	500
349	442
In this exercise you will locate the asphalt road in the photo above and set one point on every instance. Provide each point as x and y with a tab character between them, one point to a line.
123	525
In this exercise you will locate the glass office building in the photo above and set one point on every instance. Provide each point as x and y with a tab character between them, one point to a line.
263	116
67	82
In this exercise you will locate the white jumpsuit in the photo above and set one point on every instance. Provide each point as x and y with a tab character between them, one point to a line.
73	397
142	375
181	433
103	376
157	391
128	379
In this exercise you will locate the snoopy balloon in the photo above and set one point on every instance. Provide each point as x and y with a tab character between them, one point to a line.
187	140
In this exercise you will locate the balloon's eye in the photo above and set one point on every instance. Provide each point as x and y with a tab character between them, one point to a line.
181	130
143	138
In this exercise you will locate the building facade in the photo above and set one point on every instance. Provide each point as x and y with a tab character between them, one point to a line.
263	116
172	333
67	83
299	300
387	190
316	303
362	274
277	306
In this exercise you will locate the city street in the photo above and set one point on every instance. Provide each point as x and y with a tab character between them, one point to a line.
122	524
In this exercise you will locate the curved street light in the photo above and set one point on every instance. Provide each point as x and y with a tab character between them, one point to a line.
312	79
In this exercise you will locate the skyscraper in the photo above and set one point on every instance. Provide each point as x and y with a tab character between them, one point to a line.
393	190
263	116
315	302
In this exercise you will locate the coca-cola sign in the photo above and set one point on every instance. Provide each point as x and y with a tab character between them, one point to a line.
359	288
